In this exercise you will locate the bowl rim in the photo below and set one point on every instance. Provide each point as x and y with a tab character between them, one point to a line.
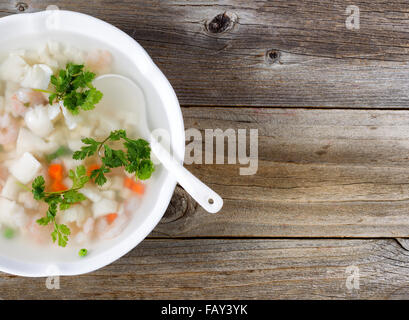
174	114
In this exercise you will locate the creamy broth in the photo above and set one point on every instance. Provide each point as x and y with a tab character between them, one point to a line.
38	139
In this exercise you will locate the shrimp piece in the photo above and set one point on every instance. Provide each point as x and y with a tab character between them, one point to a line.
99	61
24	98
17	107
8	129
3	177
88	226
105	230
31	96
37	233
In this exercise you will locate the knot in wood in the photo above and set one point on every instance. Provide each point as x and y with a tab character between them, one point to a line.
181	204
21	6
221	23
272	56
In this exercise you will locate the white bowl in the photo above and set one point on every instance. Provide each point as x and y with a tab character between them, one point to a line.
130	59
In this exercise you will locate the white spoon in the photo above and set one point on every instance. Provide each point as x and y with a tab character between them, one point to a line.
121	93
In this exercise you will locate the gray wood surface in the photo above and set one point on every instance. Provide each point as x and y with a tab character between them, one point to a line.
331	191
321	63
237	269
321	173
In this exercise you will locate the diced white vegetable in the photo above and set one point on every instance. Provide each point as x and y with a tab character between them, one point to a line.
117	183
11	214
126	194
76	214
109	194
54	111
57	136
70	120
37	77
91	193
80	238
54	48
13	68
29	142
27	200
75	144
26	168
85	131
121	210
10	189
132	204
37	120
68	182
106	125
104	207
76	56
70	163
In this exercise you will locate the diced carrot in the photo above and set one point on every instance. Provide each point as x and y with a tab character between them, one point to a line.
58	185
56	171
136	187
111	217
91	168
128	182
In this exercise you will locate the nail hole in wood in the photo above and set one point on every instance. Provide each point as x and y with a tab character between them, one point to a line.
21	6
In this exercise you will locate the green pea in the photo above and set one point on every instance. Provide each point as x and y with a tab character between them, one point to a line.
9	233
83	252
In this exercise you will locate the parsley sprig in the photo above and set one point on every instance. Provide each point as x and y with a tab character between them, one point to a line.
60	200
135	156
73	86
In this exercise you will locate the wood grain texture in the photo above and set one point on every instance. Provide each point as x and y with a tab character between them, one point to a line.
315	60
236	269
321	173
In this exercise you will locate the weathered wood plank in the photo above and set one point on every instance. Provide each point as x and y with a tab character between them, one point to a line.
321	173
272	53
236	269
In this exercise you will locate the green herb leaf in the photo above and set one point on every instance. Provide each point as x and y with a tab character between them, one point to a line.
43	221
114	158
99	175
135	158
38	188
117	135
90	98
145	169
79	177
88	150
61	200
74	87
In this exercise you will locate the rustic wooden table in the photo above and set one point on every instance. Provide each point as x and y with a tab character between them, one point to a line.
331	194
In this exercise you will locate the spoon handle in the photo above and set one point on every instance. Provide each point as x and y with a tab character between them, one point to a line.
206	197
